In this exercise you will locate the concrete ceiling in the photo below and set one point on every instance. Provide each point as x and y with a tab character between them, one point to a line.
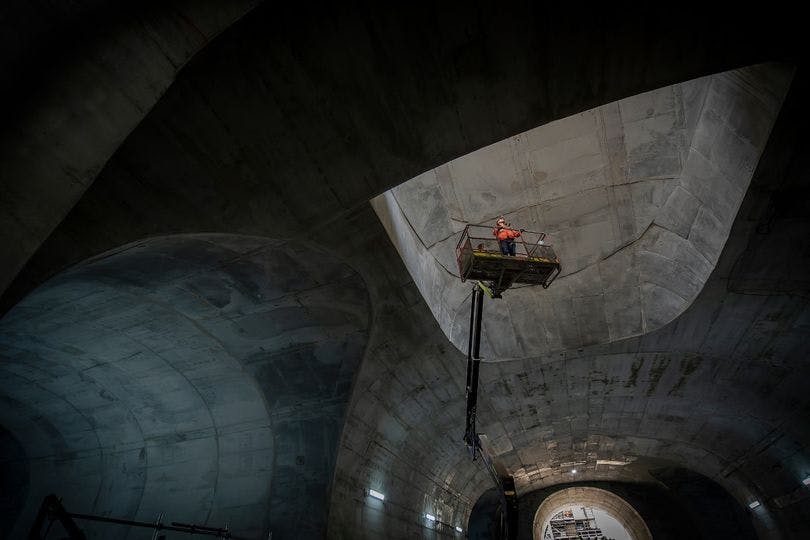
213	366
637	197
228	335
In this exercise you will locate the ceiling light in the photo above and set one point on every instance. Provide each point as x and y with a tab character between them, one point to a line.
753	505
611	462
573	471
431	517
376	494
459	529
806	481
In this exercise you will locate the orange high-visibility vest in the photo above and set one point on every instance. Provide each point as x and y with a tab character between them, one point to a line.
505	233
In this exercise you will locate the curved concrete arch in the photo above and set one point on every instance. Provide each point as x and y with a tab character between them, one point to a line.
166	377
671	377
297	116
611	503
291	106
637	197
539	428
119	64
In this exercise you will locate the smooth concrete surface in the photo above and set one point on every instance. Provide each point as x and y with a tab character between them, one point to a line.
204	377
298	113
82	75
128	388
637	197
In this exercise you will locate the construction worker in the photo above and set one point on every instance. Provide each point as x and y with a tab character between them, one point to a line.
506	236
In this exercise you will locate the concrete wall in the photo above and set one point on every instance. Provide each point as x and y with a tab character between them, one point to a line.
719	390
204	377
637	198
297	113
81	76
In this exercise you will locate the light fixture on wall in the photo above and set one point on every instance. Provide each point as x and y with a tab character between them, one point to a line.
753	504
376	494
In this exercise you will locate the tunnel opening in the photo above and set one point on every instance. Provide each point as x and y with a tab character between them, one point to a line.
580	521
674	503
584	512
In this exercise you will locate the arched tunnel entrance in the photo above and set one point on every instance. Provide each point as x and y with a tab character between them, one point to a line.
674	503
627	523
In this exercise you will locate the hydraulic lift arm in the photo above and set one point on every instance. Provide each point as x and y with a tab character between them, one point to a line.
502	479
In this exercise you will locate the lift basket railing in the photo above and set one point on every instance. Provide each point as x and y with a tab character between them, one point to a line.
479	257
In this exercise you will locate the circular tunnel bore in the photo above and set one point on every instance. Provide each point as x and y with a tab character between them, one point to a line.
580	520
594	512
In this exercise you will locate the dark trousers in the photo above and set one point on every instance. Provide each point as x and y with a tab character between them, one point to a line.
507	247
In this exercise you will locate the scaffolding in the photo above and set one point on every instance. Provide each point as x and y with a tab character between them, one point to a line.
573	525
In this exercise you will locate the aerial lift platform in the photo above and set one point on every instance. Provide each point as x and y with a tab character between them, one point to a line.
479	258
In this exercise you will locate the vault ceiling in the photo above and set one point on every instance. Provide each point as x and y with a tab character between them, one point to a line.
637	198
205	317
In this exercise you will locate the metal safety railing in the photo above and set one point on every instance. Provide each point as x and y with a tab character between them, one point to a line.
52	511
480	239
479	256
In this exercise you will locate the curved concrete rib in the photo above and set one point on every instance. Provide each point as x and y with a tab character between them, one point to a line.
637	196
103	83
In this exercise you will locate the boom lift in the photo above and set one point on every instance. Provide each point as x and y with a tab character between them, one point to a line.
479	258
